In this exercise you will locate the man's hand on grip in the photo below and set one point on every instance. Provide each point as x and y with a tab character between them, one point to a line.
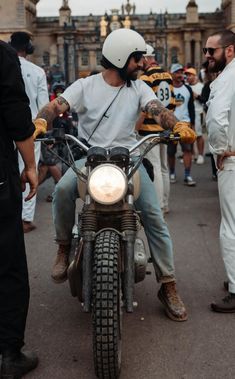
40	127
187	135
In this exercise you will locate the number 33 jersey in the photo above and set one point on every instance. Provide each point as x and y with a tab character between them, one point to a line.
161	83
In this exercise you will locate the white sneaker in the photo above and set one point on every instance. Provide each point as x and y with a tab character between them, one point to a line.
200	159
189	181
172	178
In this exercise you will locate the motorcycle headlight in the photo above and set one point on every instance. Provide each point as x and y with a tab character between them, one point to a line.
107	184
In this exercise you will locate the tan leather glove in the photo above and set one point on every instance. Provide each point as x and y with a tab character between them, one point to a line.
40	127
187	135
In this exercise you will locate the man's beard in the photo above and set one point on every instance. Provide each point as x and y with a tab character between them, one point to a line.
133	75
217	65
127	76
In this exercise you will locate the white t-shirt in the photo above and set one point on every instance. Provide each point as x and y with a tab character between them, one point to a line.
197	88
91	97
182	97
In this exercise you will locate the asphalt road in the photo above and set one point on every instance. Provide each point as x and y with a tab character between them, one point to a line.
153	346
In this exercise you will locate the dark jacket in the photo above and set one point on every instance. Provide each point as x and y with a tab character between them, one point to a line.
191	107
15	115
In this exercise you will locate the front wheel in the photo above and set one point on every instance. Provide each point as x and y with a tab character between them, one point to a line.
106	306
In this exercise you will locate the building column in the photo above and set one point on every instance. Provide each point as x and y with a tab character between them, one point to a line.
187	49
60	52
71	60
198	54
92	60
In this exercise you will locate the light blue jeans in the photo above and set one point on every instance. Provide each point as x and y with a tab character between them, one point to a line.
160	245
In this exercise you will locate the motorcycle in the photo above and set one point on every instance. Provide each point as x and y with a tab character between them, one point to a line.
107	257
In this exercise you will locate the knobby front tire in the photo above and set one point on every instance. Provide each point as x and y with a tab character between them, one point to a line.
106	299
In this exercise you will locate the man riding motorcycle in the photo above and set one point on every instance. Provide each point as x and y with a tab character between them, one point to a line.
108	105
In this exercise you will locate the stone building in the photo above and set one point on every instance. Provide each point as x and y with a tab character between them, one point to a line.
75	42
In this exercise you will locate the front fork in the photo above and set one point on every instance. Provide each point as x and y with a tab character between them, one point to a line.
88	232
88	247
129	228
129	275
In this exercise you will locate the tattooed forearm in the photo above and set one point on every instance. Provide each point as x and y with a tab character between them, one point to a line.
155	107
167	119
161	115
61	101
53	109
47	112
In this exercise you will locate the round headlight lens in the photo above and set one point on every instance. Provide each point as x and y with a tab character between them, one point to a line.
107	184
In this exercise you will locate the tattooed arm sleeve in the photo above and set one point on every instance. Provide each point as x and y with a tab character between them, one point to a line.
53	109
161	114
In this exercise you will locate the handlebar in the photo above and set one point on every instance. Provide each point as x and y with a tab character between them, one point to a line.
160	137
165	136
74	139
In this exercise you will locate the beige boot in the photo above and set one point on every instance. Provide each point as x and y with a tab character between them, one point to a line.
172	302
59	270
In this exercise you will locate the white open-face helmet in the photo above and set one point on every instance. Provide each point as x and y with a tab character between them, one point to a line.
120	44
149	51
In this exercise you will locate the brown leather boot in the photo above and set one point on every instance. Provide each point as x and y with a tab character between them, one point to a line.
174	306
59	270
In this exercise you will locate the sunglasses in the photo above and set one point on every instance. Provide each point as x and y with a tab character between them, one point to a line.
211	50
137	57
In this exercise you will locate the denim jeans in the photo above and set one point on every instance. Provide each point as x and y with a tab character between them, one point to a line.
160	245
158	157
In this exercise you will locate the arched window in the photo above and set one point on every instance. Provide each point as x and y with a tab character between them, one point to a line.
174	54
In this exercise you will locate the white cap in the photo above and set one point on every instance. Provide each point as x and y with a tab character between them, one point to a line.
176	67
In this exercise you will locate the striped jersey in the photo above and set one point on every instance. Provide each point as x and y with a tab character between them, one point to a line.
162	85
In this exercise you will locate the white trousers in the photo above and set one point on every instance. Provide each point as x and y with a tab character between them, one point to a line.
226	184
158	158
198	123
28	207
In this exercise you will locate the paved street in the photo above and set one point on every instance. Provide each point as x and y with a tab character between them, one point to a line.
153	346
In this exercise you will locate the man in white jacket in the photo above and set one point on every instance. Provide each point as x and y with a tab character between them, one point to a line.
36	89
220	53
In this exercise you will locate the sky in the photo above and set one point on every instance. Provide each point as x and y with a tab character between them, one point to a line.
85	7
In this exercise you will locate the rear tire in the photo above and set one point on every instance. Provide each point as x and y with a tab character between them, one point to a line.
106	306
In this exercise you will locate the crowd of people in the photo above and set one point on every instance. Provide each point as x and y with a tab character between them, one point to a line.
181	99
